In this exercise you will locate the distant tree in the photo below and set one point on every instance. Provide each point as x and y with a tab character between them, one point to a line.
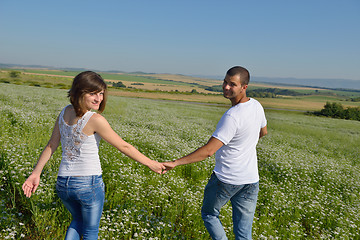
355	99
352	113
334	109
118	84
214	88
14	74
194	91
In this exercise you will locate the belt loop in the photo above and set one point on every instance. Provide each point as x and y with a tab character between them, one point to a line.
67	180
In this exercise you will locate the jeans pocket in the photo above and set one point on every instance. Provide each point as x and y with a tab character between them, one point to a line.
86	196
225	191
252	191
91	195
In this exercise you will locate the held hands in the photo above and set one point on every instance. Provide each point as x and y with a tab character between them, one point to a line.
30	185
162	167
168	166
156	167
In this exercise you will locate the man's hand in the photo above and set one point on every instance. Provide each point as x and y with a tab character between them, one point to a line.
169	166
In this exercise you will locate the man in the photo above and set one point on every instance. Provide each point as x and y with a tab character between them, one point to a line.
235	175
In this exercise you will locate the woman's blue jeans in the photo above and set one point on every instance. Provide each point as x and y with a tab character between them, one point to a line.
243	200
84	198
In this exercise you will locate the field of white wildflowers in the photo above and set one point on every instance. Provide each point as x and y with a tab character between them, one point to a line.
309	171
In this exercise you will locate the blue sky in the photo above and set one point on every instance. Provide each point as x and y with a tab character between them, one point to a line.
300	39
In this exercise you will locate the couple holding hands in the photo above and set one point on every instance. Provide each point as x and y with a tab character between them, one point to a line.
81	188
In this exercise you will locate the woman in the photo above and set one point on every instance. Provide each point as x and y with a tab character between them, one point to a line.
79	183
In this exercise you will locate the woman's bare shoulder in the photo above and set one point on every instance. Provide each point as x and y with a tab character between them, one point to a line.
97	118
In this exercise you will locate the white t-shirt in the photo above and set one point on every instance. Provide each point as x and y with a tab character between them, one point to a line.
239	129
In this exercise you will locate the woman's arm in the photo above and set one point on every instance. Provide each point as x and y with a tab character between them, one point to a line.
101	126
32	182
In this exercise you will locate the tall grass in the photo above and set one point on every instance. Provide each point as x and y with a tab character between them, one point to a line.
309	170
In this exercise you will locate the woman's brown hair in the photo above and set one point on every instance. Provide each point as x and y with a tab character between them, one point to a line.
86	82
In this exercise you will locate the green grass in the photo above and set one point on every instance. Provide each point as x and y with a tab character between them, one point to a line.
309	171
37	80
112	76
141	79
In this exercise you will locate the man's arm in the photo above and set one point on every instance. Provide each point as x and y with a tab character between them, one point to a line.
263	131
198	155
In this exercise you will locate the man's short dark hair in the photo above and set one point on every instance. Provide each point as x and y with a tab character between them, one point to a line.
243	72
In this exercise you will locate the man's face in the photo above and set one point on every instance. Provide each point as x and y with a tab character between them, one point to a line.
232	88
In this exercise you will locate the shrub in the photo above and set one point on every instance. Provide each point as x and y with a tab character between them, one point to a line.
336	110
4	80
14	74
118	84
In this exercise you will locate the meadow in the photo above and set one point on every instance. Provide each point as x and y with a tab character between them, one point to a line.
309	171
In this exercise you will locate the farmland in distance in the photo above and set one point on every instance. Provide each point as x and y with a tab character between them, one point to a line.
192	89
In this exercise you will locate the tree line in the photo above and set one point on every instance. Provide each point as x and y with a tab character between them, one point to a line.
261	92
337	110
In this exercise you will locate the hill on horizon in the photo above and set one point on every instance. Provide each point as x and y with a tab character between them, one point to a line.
302	82
305	82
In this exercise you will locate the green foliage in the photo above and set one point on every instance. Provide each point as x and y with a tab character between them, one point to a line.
215	88
271	92
118	84
36	80
4	80
14	74
336	110
261	92
357	99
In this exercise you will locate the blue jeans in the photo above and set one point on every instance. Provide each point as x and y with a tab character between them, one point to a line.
84	198
243	200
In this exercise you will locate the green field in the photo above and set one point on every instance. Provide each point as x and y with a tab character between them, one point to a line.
309	171
110	76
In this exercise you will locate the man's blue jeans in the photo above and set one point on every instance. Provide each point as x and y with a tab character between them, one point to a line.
84	198
243	200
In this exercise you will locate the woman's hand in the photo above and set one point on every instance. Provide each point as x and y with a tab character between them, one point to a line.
168	166
156	166
31	184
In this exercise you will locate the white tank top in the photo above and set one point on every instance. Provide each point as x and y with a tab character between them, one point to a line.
80	152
